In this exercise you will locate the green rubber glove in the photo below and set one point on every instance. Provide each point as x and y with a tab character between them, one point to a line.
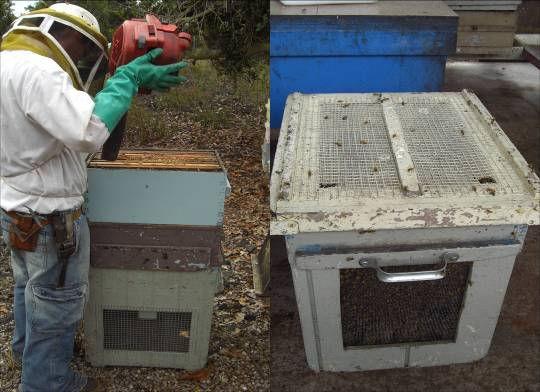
155	77
111	103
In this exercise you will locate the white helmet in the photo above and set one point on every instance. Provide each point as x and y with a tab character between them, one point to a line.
75	10
51	23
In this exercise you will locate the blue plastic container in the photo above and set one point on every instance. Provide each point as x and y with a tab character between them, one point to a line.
389	46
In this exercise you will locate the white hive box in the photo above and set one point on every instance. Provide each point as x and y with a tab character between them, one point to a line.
403	214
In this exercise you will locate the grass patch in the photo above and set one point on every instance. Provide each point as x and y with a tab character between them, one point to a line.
252	87
201	86
145	125
208	98
213	99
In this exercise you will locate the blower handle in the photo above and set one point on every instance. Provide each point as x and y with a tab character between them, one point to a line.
111	147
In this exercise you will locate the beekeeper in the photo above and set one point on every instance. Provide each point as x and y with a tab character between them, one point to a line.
48	125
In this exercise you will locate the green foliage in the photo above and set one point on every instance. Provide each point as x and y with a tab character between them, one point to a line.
6	16
236	31
253	85
208	94
144	125
209	99
203	81
197	98
239	29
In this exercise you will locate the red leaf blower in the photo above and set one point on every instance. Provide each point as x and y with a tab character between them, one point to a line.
132	39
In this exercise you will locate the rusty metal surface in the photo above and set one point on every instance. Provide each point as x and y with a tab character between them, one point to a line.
201	160
155	247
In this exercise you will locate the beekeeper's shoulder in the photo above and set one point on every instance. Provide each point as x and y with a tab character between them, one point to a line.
30	66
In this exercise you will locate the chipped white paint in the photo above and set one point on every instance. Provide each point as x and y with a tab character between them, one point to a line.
468	171
404	162
317	258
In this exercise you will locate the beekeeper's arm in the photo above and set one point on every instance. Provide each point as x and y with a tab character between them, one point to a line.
49	99
83	124
114	100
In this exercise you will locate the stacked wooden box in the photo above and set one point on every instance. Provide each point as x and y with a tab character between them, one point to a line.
486	27
156	224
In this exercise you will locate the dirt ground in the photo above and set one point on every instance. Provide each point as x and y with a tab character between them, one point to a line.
239	343
511	92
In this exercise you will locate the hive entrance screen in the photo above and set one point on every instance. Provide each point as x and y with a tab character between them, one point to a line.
146	331
377	313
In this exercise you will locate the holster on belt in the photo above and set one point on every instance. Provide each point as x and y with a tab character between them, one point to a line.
24	231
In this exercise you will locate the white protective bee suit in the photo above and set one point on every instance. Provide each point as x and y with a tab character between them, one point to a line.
47	131
46	121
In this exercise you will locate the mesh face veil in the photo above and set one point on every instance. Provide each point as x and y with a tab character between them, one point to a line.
71	33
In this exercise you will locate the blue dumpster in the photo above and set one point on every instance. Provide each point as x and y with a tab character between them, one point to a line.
388	46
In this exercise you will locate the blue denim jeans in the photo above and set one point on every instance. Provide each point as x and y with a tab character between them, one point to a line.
46	317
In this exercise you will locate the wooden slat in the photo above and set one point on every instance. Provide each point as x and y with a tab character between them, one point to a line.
404	163
487	28
482	18
145	165
498	52
489	39
421	8
162	159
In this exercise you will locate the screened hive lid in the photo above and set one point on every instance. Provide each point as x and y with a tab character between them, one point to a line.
202	160
403	160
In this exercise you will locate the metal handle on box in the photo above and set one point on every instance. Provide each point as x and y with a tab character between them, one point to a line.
415	276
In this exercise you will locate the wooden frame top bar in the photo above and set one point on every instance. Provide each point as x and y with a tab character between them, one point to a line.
197	160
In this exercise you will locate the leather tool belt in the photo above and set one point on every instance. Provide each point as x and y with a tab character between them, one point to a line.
24	232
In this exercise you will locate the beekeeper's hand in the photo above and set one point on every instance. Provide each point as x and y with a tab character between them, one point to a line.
156	77
111	103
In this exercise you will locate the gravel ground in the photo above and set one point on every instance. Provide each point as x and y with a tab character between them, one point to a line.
239	343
